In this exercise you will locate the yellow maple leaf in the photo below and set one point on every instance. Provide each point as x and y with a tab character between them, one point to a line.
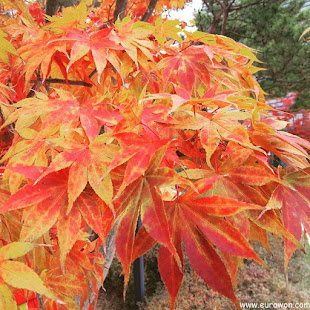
72	16
6	48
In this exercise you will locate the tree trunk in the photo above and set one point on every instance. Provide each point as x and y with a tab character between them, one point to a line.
120	9
224	23
215	22
108	255
51	7
149	10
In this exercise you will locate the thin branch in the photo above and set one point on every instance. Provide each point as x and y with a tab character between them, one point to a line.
95	71
2	117
35	87
41	301
200	24
149	10
37	84
110	7
243	6
220	3
70	82
120	9
209	6
226	8
9	135
231	3
92	74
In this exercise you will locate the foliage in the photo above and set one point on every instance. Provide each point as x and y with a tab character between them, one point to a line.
116	120
283	54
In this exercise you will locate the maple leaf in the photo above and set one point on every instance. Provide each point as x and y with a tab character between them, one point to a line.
183	66
81	268
170	273
252	175
134	39
166	28
6	298
6	48
141	196
17	274
71	16
65	109
42	57
293	199
88	164
196	222
207	262
102	45
47	202
213	128
137	153
180	98
142	244
287	148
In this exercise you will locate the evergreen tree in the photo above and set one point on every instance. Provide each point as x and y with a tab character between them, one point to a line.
273	27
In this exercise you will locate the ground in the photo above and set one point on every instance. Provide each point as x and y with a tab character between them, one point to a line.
255	284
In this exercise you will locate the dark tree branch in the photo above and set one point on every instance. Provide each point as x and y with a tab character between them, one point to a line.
34	88
92	73
216	15
220	3
226	8
37	84
70	82
209	6
243	6
8	135
2	117
215	22
149	10
120	9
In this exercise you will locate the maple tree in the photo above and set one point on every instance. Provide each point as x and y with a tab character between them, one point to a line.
112	120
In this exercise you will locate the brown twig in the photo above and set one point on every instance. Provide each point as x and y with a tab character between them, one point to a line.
243	6
110	8
70	82
92	74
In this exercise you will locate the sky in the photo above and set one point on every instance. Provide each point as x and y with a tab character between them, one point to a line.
186	14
